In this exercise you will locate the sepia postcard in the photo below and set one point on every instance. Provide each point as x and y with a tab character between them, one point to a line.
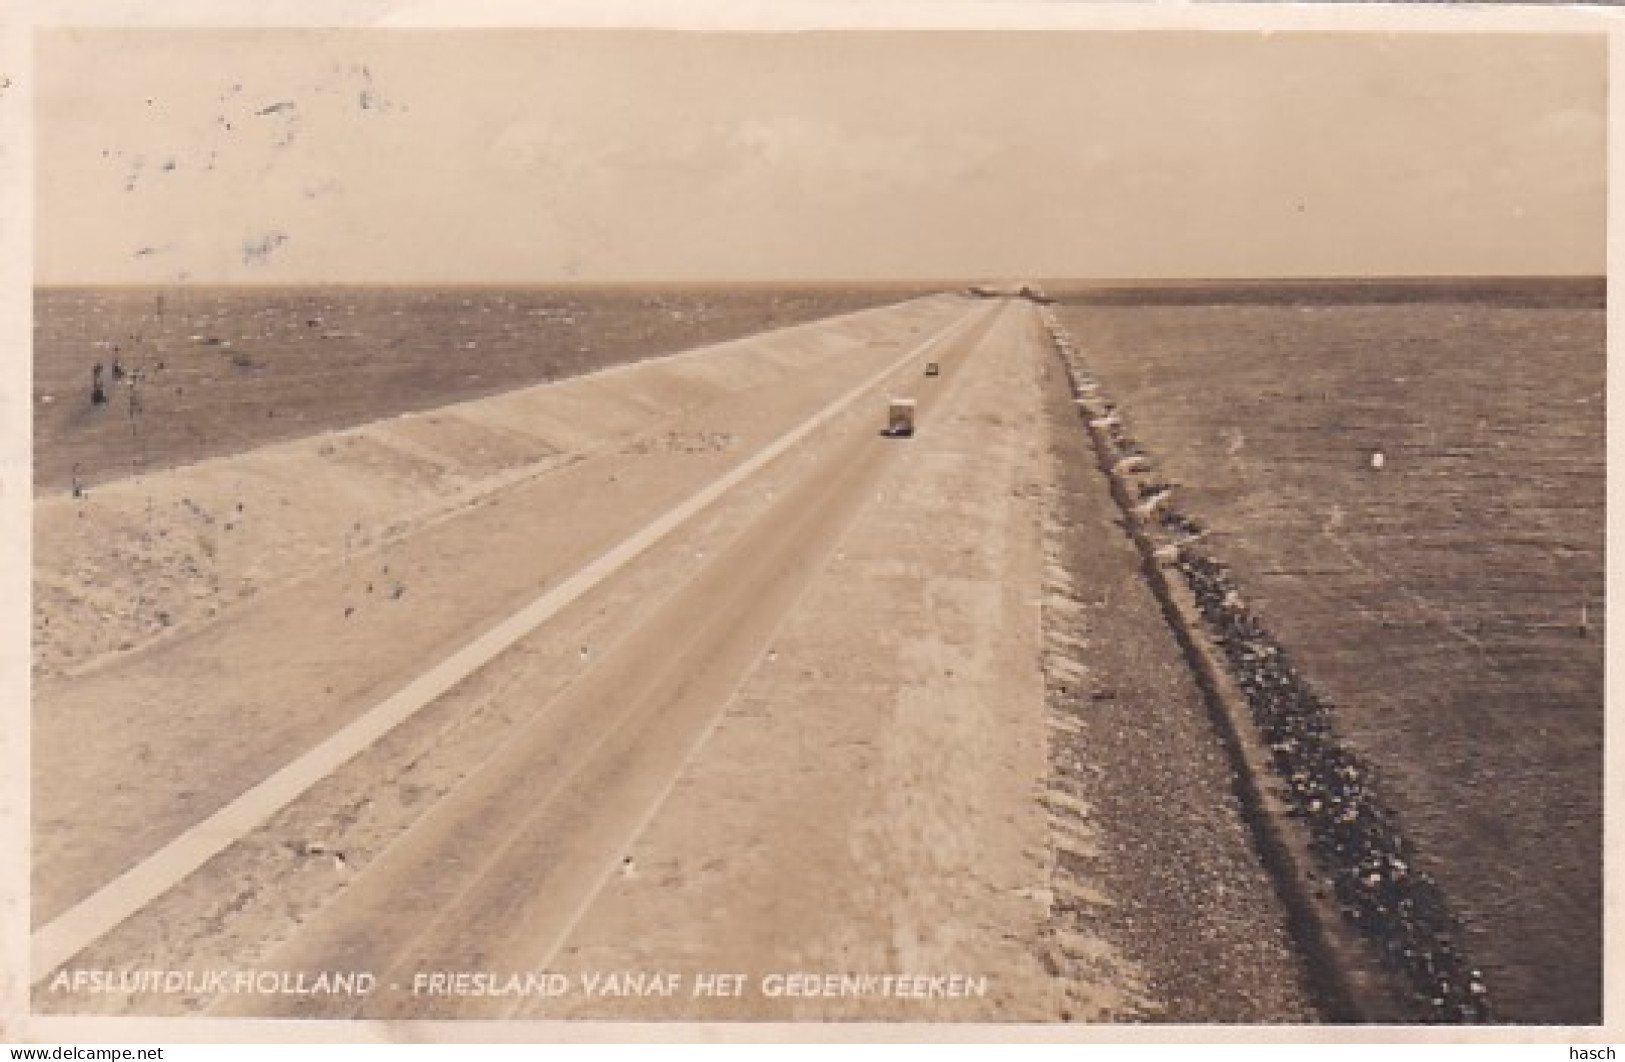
1028	521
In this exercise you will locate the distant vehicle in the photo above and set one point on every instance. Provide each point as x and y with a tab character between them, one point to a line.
931	368
1031	292
900	418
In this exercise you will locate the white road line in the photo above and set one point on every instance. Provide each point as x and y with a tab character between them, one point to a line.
76	928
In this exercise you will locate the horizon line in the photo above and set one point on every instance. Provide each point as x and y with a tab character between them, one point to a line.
898	282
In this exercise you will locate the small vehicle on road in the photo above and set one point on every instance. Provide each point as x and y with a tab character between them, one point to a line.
900	418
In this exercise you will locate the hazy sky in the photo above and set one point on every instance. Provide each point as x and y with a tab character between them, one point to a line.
535	155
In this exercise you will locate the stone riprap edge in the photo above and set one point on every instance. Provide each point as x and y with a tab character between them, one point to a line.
1377	935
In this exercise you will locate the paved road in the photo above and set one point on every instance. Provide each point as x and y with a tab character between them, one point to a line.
494	877
604	732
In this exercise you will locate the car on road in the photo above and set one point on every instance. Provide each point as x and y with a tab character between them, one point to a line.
900	417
